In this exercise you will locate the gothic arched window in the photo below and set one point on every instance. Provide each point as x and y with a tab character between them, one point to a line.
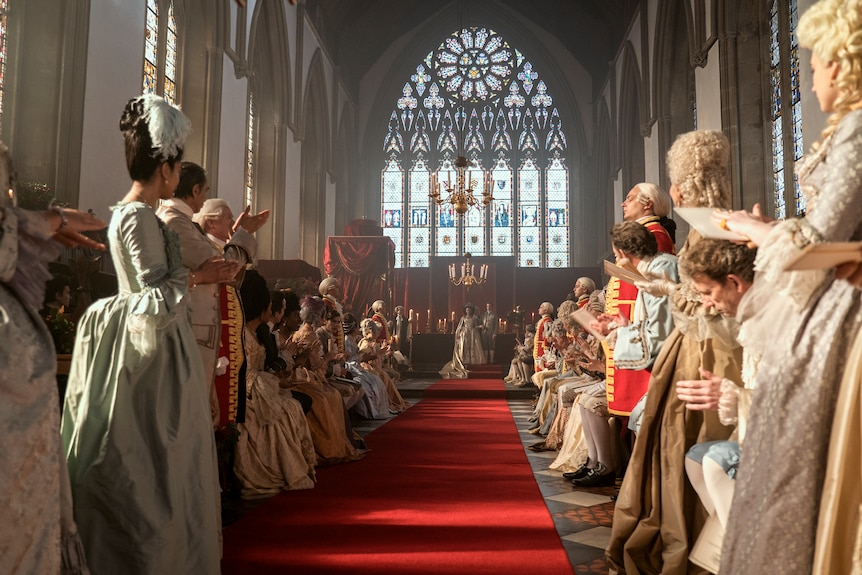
478	97
160	50
785	108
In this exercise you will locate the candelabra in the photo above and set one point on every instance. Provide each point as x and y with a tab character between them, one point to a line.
467	278
460	195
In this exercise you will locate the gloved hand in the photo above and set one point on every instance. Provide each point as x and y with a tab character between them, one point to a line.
657	286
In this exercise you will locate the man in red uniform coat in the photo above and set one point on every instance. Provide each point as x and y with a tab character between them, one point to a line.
645	204
541	343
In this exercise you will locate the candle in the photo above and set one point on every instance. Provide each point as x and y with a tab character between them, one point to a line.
453	317
445	326
429	315
410	315
505	326
533	317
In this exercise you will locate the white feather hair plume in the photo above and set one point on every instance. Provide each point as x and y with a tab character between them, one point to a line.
167	124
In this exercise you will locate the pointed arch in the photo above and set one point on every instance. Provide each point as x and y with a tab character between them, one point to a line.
269	86
630	138
345	201
499	106
315	163
674	85
604	204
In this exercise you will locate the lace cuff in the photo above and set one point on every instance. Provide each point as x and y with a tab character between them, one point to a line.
785	240
26	247
728	403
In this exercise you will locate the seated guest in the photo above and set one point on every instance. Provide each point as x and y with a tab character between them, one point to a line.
275	450
521	367
582	290
721	273
58	295
333	437
576	456
374	404
336	371
636	344
372	352
540	343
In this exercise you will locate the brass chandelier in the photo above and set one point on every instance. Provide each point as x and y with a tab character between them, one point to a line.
460	195
467	278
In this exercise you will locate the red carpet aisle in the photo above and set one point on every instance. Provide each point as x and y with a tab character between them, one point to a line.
446	489
467	388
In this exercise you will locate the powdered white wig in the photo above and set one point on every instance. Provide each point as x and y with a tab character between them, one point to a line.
326	285
378	305
167	125
213	209
369	326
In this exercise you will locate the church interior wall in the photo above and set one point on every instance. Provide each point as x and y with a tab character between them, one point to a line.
232	139
716	48
110	81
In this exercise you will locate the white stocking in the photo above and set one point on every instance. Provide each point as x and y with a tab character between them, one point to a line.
720	486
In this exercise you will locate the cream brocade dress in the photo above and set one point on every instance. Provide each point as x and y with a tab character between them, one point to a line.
806	322
275	451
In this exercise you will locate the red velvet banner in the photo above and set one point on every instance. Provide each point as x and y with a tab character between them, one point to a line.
362	264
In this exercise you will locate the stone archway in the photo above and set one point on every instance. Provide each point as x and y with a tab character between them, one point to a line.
314	166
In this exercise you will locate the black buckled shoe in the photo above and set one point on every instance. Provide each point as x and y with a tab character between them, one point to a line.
581	472
599	476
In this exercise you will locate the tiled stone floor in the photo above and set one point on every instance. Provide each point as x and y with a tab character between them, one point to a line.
582	516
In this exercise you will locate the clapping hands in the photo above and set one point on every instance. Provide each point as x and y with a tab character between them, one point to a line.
250	223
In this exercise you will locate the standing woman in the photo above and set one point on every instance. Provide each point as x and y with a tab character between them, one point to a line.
136	424
809	318
468	346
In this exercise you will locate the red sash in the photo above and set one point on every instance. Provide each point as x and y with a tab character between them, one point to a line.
230	346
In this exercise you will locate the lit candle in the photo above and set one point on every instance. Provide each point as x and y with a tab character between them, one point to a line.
453	317
505	326
429	314
445	327
410	315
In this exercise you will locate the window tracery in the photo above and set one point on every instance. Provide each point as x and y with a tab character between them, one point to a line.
477	96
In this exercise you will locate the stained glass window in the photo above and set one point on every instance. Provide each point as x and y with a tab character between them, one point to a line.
785	108
160	51
170	92
151	48
249	152
392	184
4	8
476	96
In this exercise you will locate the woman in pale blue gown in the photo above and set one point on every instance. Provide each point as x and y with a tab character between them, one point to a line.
136	425
375	403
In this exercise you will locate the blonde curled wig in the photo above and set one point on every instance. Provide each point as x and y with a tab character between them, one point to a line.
697	163
832	29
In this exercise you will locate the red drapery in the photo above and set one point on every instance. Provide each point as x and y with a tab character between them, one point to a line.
360	263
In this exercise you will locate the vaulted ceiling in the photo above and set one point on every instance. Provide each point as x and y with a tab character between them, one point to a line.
358	32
